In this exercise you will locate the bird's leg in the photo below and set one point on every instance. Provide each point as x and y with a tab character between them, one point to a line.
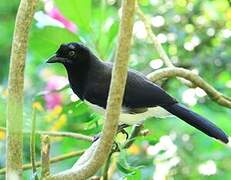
122	126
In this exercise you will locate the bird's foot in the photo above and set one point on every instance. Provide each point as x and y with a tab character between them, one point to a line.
119	130
115	147
122	130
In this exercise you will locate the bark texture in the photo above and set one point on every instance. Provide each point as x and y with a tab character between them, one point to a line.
15	87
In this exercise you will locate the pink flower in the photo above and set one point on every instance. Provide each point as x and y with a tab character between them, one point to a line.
54	12
52	100
54	83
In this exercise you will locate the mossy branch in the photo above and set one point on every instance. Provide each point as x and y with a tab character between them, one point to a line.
16	83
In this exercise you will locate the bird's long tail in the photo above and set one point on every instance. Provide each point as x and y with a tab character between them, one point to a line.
197	121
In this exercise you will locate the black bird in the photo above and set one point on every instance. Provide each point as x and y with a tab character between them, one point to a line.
90	79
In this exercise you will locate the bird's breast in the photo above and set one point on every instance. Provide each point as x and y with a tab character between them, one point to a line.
131	119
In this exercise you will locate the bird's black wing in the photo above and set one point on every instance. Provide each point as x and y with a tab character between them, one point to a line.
139	91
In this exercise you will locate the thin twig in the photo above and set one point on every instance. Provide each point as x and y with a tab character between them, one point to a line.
163	55
195	79
59	134
67	134
52	160
106	167
166	59
32	145
45	153
154	39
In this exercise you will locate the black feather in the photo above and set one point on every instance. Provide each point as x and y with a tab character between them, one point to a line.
197	121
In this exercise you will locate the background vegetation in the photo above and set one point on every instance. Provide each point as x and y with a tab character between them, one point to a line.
196	35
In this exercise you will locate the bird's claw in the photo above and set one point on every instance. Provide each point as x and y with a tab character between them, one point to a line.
115	147
122	130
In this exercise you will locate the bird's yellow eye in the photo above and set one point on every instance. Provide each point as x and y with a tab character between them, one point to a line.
71	53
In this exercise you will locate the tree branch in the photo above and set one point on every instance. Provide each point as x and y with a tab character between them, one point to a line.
154	39
16	82
195	79
119	75
32	145
60	134
106	167
52	160
45	156
163	55
67	134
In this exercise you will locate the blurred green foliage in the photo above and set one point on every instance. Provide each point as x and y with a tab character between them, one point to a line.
196	35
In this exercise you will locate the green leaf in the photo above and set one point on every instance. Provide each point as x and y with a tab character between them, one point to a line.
50	38
123	169
78	11
135	176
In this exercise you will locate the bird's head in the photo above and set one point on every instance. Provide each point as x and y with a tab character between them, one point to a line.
69	54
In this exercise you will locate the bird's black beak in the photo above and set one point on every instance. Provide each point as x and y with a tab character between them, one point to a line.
56	59
53	59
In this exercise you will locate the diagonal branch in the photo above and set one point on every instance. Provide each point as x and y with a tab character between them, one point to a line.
52	160
163	55
160	74
195	79
103	146
154	39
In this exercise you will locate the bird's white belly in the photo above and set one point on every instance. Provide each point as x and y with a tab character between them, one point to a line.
131	119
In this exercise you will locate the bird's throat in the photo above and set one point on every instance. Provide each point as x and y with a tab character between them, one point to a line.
77	77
